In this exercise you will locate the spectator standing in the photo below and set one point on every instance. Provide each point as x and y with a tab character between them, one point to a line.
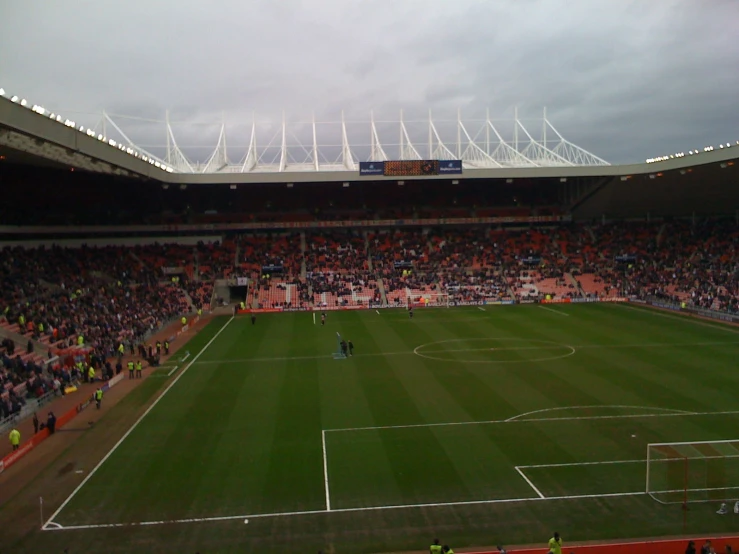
51	423
690	548
15	438
35	423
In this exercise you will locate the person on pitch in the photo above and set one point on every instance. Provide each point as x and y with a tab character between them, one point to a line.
350	345
343	347
555	544
15	438
323	318
410	311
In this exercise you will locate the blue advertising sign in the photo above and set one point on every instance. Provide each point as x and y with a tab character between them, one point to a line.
371	168
447	167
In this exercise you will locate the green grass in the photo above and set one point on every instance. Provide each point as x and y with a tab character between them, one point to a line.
242	432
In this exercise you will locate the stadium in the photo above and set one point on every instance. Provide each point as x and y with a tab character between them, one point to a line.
538	340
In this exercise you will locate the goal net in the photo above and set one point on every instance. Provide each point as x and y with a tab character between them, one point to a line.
686	472
427	299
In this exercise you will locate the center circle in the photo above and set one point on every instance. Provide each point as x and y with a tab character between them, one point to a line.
503	350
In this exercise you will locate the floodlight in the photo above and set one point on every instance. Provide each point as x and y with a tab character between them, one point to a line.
2	92
232	187
59	118
345	185
14	99
23	102
509	181
563	179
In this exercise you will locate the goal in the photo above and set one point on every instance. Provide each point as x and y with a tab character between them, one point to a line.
687	472
427	299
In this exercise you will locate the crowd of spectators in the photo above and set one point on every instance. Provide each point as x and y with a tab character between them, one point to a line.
685	261
107	295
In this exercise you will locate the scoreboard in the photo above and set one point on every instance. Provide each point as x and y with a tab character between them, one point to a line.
411	168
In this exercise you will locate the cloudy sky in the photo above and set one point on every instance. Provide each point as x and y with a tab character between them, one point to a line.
624	79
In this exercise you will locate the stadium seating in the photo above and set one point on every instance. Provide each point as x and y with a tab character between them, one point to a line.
116	293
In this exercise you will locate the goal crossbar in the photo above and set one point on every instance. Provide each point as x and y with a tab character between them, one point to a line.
692	471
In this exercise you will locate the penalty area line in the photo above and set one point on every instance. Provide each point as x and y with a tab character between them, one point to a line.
522	474
554	311
50	521
51	526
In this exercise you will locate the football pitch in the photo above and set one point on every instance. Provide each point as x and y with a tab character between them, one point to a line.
480	425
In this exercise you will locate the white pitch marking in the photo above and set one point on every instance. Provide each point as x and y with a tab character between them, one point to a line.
136	424
686	319
522	474
576	464
534	420
173	370
348	510
514	418
481	308
409	352
610	462
554	311
187	355
377	312
325	471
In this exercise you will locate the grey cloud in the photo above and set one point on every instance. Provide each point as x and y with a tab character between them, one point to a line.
625	80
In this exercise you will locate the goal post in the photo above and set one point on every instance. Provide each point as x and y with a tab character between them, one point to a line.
690	472
427	299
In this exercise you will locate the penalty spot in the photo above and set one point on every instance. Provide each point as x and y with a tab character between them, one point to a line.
246	521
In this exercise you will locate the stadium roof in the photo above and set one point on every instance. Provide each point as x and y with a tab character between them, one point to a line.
27	130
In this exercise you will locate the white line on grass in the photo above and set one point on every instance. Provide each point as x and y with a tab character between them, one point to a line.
533	420
601	407
349	510
412	352
50	521
522	474
481	308
577	464
554	311
173	370
686	319
377	312
187	354
325	471
609	462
